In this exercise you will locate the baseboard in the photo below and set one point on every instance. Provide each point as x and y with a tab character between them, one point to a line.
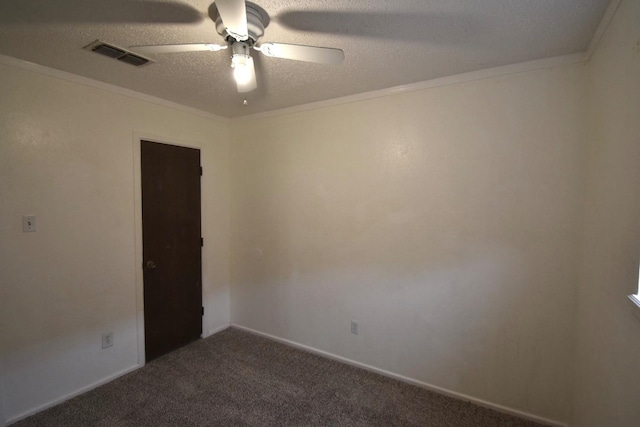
91	386
408	380
215	331
71	395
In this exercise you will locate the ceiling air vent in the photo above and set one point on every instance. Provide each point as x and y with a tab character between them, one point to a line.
117	53
132	59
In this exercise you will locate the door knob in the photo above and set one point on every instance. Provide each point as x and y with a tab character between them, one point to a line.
151	265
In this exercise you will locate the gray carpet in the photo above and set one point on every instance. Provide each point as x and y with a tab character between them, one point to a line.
239	379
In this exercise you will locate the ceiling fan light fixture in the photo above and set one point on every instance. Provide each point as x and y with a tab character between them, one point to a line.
241	68
241	24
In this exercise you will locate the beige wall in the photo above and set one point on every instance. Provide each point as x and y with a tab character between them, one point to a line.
444	221
484	235
67	156
607	386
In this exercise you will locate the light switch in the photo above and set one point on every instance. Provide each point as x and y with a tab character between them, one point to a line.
29	223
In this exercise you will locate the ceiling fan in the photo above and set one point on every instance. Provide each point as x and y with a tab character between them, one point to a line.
241	24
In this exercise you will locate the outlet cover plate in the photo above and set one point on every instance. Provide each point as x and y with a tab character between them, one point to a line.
107	339
354	327
28	223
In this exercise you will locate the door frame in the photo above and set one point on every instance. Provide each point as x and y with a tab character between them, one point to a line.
137	188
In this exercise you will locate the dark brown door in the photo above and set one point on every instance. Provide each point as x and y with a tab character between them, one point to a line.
172	260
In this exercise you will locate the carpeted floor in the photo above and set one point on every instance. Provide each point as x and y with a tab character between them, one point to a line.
239	379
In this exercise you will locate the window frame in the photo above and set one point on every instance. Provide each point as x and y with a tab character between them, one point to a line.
635	300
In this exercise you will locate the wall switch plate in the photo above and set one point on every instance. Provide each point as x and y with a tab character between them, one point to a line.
354	327
28	223
107	339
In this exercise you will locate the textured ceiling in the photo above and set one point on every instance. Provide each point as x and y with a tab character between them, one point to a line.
386	43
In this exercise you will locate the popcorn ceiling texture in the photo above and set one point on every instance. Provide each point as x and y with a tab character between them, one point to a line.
386	44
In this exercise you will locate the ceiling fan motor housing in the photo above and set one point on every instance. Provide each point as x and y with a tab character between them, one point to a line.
257	20
240	48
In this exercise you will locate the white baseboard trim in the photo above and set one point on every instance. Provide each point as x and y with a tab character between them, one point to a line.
408	380
91	386
215	331
71	395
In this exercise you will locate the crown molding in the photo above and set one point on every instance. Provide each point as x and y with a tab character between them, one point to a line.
85	81
483	74
602	28
413	87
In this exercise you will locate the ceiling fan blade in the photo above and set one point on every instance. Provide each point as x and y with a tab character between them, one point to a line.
320	55
252	83
234	17
171	48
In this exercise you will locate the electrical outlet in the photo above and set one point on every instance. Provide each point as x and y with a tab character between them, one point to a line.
28	223
107	339
354	327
